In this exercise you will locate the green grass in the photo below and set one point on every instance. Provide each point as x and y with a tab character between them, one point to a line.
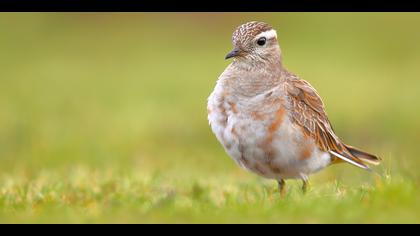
103	118
90	196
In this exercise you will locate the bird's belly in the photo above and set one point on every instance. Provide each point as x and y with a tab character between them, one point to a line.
272	152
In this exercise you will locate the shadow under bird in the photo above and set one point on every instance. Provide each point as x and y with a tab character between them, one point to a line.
270	121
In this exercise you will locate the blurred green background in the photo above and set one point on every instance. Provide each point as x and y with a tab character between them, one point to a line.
103	117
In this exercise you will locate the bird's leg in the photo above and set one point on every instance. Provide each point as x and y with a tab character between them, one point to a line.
282	187
305	185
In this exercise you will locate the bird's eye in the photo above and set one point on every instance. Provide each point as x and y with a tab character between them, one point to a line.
261	41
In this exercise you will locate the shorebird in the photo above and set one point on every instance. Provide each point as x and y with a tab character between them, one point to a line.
270	121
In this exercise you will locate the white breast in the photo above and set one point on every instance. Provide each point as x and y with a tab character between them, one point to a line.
242	126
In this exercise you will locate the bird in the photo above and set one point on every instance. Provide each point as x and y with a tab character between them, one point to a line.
269	121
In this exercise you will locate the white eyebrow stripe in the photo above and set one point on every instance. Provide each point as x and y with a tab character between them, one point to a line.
268	34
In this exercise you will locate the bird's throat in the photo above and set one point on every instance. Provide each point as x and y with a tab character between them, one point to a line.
249	83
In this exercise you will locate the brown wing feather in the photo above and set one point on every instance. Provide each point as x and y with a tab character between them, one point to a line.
308	112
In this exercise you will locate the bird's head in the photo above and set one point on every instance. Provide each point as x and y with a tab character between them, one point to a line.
255	41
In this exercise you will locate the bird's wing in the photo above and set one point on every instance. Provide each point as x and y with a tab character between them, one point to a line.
308	112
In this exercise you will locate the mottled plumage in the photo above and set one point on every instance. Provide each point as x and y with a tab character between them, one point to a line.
270	121
248	31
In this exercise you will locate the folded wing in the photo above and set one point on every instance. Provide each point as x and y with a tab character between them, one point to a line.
308	112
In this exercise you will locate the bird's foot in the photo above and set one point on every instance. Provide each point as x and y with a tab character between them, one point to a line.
305	186
282	188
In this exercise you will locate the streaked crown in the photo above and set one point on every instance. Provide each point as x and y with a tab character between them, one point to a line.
249	31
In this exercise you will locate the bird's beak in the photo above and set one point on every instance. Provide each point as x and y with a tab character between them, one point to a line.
235	52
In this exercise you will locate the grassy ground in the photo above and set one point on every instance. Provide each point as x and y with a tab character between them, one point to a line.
103	118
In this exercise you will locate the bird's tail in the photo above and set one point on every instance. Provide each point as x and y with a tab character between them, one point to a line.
354	156
363	156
